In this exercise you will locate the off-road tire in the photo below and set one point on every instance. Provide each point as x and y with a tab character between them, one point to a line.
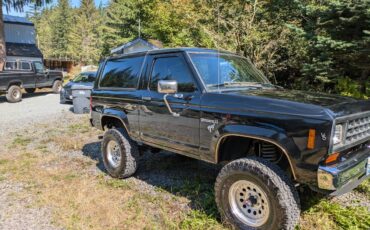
14	94
57	86
31	90
281	193
129	153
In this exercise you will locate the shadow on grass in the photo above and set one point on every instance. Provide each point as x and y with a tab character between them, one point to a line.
174	173
186	177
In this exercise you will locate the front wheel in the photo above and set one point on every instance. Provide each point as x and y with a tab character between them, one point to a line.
14	94
57	86
252	193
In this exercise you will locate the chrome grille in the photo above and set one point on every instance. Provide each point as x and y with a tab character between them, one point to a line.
358	129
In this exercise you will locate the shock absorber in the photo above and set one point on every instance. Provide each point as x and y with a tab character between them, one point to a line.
269	152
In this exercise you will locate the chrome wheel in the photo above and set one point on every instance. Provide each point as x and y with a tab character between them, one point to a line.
114	154
16	94
59	87
249	203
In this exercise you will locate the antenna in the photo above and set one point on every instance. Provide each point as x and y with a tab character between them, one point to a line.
139	28
218	47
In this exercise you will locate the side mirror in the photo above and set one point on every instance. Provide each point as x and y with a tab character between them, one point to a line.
167	86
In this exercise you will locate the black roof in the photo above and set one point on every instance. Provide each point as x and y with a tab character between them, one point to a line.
173	50
22	50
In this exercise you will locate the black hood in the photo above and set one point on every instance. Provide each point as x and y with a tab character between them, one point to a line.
338	105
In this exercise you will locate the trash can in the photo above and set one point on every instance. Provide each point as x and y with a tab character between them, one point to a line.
81	98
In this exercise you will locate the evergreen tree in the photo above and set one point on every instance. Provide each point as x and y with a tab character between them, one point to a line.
122	21
61	28
44	31
339	50
83	37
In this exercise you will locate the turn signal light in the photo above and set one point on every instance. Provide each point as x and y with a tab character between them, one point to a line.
332	158
311	139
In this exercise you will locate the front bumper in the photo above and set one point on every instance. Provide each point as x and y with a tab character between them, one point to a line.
345	176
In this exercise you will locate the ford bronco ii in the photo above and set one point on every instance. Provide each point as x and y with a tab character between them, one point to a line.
217	107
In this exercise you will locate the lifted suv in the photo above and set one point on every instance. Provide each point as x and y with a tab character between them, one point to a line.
217	107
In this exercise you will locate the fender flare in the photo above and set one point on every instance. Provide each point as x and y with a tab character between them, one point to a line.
15	82
118	114
272	135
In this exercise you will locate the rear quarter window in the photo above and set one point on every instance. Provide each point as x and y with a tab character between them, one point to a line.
25	66
122	73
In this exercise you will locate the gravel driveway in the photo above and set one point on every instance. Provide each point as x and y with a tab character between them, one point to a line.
33	108
15	212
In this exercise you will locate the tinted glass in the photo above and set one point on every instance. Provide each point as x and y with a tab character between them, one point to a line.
172	68
10	66
122	73
25	66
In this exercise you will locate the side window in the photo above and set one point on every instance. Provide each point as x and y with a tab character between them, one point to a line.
11	65
39	67
172	68
122	73
25	66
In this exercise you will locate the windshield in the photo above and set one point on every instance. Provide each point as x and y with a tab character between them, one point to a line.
226	70
84	77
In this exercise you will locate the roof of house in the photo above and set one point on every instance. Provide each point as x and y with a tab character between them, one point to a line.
134	42
16	20
22	50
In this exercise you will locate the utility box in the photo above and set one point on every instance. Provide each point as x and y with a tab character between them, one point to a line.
81	98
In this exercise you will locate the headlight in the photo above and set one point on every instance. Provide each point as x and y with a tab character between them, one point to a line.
338	134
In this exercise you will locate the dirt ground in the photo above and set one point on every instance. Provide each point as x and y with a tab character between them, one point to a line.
52	177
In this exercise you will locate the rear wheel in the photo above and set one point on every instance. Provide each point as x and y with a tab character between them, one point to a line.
30	90
120	153
57	86
14	94
252	193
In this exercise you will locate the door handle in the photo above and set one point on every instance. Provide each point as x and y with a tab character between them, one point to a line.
180	96
146	98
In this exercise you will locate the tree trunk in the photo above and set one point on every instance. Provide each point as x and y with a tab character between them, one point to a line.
2	38
364	80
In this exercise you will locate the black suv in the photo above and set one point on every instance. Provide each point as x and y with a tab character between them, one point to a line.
217	107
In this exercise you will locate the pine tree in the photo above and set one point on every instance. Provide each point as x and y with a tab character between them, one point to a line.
84	34
122	18
338	34
61	28
44	31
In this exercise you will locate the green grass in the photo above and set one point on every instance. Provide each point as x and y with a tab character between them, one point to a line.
344	217
116	183
365	188
20	141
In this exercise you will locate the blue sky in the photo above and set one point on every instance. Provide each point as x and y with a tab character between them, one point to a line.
74	3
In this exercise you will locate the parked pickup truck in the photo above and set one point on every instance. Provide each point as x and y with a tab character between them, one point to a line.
217	107
28	75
